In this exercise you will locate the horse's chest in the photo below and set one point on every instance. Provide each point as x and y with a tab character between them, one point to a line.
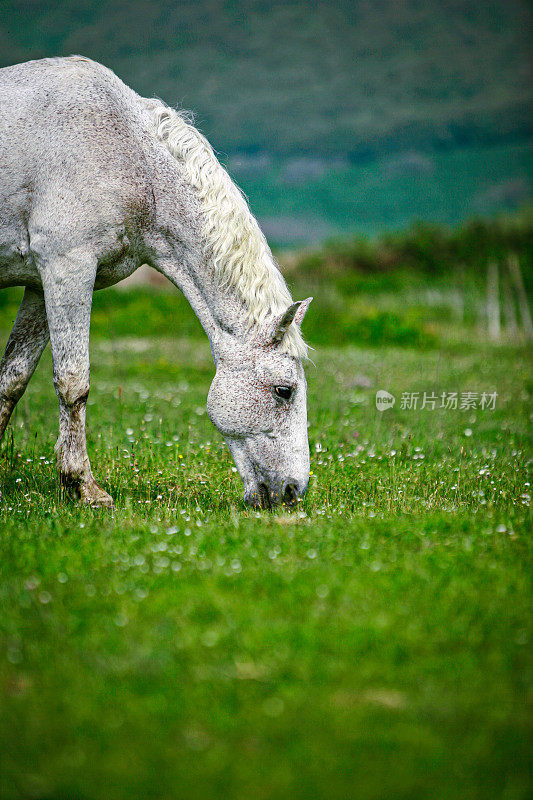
115	269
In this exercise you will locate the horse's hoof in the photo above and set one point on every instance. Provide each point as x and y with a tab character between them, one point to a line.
95	497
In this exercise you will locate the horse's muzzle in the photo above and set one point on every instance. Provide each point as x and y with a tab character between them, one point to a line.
287	494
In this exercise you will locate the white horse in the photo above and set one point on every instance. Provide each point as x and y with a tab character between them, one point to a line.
94	182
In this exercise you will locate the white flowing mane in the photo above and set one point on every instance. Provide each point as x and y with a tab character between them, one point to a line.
234	243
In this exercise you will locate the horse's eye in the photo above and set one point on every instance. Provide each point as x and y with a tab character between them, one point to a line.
283	392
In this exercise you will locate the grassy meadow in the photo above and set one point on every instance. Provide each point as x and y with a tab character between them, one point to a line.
374	643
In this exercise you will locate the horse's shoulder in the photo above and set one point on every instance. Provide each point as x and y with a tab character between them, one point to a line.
85	105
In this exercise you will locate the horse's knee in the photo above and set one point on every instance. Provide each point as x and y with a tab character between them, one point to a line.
72	388
14	378
12	388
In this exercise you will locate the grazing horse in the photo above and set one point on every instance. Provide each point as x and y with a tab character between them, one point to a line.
96	181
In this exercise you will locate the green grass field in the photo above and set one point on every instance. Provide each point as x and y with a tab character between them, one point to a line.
375	643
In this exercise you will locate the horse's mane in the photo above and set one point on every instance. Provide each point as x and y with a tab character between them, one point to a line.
235	245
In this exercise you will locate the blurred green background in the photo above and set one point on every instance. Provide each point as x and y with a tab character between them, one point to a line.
335	118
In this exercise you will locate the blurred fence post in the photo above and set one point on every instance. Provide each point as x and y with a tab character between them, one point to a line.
525	314
460	305
493	301
509	308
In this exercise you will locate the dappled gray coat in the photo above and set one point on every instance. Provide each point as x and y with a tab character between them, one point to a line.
96	181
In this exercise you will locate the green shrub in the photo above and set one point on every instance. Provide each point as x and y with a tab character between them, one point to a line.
327	325
425	248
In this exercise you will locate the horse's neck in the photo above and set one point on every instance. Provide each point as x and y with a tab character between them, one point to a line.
179	255
240	297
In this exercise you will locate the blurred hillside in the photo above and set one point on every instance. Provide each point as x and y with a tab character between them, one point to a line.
350	78
303	94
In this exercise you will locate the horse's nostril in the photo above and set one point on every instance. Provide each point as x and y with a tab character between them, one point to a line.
264	496
290	494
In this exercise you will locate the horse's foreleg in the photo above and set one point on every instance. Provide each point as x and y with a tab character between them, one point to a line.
24	348
68	288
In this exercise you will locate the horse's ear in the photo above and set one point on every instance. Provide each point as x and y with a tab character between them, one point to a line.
295	313
302	310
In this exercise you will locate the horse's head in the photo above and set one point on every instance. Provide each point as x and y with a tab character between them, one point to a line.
258	402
